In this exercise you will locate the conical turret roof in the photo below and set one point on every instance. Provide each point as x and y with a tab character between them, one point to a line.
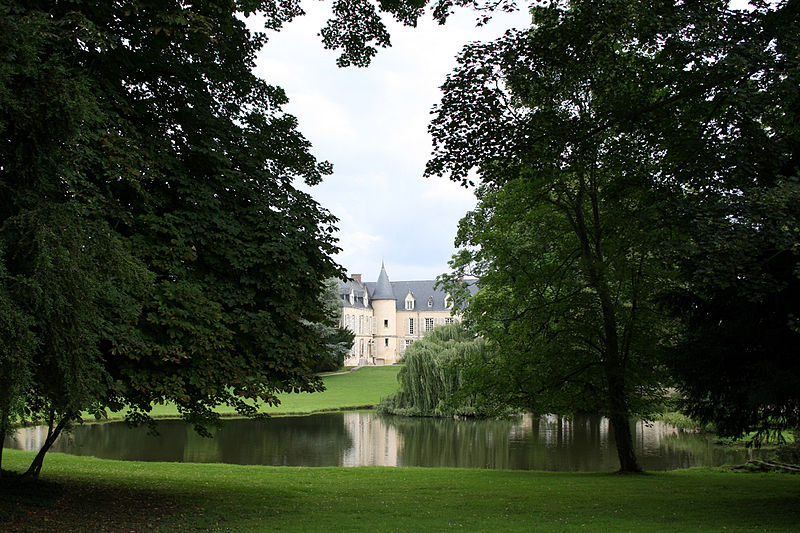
383	288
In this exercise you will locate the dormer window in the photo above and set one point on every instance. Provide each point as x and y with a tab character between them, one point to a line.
409	301
430	301
366	299
352	297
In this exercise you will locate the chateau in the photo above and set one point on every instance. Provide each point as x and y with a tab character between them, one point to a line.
387	316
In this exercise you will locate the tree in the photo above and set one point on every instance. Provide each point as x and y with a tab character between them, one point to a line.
563	235
431	380
15	355
560	340
736	361
152	245
735	148
337	339
634	154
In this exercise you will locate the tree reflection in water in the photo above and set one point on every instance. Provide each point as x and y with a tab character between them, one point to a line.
363	438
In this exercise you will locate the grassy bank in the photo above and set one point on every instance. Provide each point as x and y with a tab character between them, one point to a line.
86	494
362	388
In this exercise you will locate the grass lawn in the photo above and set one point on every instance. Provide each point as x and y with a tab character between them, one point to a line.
87	494
359	389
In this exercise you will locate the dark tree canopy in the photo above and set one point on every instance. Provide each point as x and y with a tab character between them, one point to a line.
153	245
561	238
736	228
631	154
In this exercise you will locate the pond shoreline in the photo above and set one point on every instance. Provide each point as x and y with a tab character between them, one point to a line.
88	494
367	438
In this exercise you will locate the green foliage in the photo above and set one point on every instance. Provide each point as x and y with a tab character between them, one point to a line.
431	379
562	239
16	353
639	166
357	26
678	420
736	228
337	339
153	247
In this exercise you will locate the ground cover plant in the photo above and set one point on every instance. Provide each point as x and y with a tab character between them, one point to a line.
199	497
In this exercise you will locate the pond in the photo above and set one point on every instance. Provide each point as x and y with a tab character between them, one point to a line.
364	438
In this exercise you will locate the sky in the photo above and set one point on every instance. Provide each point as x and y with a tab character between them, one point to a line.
371	123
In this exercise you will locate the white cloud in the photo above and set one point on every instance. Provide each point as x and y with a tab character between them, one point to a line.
322	118
372	125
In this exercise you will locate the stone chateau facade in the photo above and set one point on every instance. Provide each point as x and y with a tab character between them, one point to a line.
387	316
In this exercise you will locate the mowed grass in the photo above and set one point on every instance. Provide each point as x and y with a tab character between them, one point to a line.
87	494
361	388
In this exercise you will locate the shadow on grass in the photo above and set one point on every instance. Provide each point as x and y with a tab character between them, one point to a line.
31	506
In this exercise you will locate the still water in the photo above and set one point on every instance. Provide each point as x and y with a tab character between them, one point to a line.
364	438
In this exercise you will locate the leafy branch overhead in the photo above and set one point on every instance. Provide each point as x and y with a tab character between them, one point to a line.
153	245
638	170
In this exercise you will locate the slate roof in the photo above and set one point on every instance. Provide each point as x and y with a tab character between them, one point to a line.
358	294
423	292
382	289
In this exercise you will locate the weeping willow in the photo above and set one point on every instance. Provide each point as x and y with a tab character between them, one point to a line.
432	379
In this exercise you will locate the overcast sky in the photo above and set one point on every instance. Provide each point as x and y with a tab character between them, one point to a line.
371	123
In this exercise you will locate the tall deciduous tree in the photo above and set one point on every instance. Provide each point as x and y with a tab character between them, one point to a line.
733	145
561	238
635	153
153	246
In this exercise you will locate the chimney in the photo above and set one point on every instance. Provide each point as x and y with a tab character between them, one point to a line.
356	278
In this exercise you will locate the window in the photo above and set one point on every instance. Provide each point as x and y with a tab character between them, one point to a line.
428	324
386	342
409	301
410	326
430	301
361	326
386	323
408	342
449	320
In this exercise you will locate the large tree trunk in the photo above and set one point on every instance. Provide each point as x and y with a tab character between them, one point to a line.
628	463
618	411
52	434
621	424
613	360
